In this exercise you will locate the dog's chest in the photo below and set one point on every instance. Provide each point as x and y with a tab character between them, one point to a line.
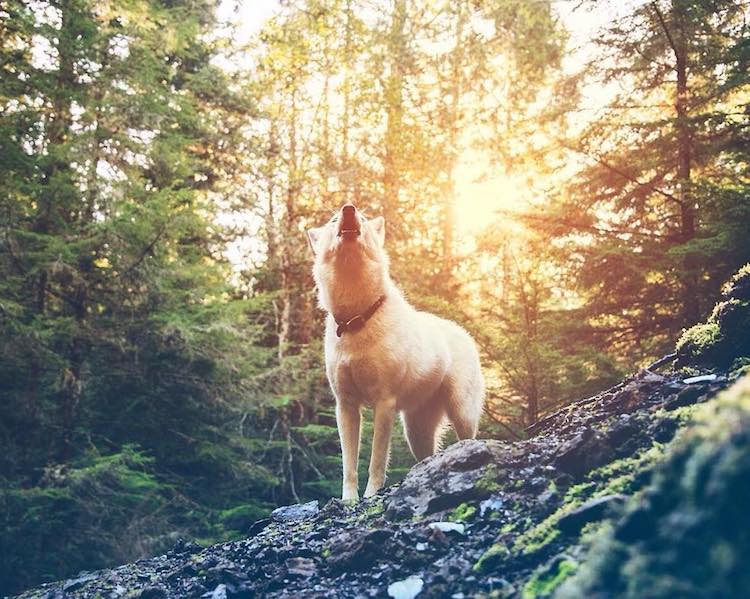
364	377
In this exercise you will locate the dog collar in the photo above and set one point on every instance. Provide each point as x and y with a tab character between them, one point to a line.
354	324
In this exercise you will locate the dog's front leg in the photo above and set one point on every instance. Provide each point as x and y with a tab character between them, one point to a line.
348	419
385	412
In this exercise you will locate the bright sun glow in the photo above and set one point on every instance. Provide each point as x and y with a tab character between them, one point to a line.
480	197
483	192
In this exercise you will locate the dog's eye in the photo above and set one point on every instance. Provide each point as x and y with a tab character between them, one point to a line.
334	219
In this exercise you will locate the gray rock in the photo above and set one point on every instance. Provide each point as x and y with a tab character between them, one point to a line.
296	512
447	479
582	453
591	511
302	567
357	549
76	583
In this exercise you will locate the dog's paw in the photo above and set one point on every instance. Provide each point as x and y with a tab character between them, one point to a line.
350	496
371	490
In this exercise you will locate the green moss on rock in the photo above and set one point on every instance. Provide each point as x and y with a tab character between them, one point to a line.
547	579
725	336
688	534
490	558
700	344
738	286
463	513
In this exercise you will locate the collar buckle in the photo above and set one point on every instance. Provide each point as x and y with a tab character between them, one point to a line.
355	323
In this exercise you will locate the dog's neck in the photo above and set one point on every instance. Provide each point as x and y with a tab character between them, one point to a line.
353	296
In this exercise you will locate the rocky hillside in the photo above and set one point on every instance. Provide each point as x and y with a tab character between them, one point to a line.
640	491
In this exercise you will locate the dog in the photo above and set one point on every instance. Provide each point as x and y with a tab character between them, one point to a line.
382	352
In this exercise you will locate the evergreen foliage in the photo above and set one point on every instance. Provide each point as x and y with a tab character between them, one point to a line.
150	387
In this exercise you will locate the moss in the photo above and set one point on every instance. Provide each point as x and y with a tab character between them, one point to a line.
725	336
739	368
627	475
375	509
544	533
508	527
699	344
463	513
738	286
489	483
547	579
490	558
701	490
580	491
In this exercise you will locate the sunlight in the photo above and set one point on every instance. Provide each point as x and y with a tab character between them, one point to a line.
480	195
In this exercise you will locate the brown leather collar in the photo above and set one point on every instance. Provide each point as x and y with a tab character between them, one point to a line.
352	325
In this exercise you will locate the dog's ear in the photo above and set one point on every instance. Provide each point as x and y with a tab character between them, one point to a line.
378	226
313	236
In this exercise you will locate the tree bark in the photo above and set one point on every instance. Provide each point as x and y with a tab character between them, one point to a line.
394	114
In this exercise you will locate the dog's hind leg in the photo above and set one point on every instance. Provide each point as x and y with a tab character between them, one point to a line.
423	428
463	405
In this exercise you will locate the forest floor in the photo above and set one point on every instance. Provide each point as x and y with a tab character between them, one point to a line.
482	518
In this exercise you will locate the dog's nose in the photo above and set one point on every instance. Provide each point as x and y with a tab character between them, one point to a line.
349	225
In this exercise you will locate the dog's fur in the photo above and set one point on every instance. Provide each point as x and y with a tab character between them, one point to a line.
401	360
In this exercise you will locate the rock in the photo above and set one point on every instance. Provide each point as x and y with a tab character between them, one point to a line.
490	505
152	592
220	592
704	378
448	527
357	549
407	588
591	511
303	567
446	479
296	512
582	453
182	546
686	397
257	526
76	583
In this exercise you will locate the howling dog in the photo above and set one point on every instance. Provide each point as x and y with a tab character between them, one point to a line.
382	352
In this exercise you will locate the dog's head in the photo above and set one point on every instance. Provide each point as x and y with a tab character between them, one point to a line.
349	249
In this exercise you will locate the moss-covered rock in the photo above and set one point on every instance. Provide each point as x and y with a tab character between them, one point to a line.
689	535
548	578
725	336
738	286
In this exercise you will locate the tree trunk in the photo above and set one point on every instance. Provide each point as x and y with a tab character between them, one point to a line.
690	304
453	121
678	44
394	114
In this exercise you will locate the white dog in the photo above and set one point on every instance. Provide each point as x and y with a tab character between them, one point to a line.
382	352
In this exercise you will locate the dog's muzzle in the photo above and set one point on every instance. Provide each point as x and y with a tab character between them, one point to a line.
349	227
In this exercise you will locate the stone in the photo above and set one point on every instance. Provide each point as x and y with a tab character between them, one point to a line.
448	527
445	480
357	549
76	583
296	512
153	592
591	511
686	397
302	567
407	588
584	452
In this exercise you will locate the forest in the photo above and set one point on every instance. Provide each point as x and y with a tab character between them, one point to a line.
568	179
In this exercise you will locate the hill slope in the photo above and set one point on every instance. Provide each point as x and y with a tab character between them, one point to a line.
639	491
